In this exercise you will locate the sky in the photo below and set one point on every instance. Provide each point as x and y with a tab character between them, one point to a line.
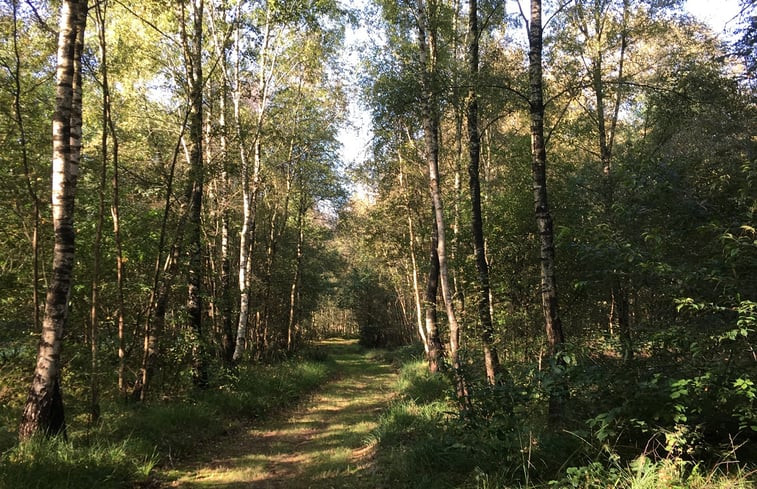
355	138
719	14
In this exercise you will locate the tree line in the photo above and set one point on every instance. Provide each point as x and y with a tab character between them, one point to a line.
595	240
559	204
194	148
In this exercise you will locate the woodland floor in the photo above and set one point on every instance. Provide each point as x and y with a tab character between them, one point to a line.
324	443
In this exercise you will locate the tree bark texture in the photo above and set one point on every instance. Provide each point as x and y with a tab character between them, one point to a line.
435	348
194	221
541	205
43	411
553	324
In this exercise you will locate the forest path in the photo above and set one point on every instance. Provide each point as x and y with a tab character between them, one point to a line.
324	443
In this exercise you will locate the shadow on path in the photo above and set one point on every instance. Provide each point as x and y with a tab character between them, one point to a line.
323	444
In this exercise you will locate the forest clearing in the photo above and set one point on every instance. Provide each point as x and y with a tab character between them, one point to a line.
487	244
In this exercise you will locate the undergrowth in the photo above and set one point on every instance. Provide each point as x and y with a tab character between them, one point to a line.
130	440
502	442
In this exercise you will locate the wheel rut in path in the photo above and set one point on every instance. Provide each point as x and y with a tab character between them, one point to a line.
323	444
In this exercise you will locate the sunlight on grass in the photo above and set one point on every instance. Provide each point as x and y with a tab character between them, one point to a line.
322	445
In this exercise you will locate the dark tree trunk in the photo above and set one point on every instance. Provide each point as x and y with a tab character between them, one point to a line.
194	221
435	348
491	358
430	116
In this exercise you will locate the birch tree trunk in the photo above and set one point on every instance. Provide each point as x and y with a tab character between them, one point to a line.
43	411
553	324
426	42
227	343
435	347
251	181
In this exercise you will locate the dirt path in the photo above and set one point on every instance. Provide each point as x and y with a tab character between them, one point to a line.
324	444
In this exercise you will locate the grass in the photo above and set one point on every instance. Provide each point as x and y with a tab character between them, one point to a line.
42	463
129	441
324	444
423	443
381	421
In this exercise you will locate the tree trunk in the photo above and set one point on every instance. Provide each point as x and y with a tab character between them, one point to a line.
30	179
162	277
250	183
227	341
619	302
553	324
491	358
43	411
115	212
100	11
194	221
435	347
413	261
294	293
220	39
426	41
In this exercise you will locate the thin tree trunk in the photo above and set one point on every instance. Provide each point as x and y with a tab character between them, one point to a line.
194	221
491	358
268	274
250	183
294	293
31	186
227	329
436	349
431	138
101	12
115	212
162	277
413	261
553	324
619	301
227	343
43	411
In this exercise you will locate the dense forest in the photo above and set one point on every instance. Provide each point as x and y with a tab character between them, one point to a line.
556	213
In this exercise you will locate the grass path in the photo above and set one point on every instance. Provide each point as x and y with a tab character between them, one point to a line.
323	444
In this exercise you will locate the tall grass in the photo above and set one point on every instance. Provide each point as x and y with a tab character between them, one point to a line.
130	440
43	463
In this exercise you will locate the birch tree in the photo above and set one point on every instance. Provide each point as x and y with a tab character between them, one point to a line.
43	412
552	321
425	18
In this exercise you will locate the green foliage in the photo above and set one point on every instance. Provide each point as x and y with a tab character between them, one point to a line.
374	308
416	446
423	440
260	390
